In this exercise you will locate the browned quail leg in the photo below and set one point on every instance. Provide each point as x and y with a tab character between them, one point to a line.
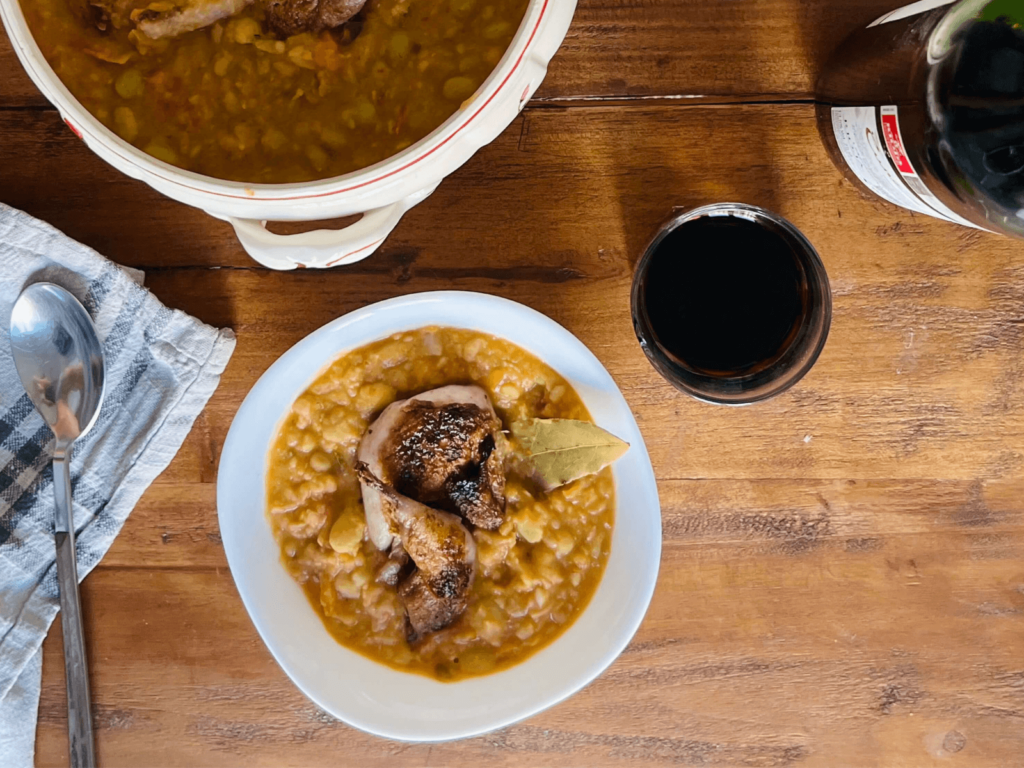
437	592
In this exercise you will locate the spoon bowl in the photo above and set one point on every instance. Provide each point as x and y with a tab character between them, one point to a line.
59	359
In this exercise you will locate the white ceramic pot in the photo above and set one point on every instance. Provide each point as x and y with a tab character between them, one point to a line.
382	192
377	698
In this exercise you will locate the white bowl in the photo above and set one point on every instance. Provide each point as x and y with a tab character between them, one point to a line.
369	695
382	192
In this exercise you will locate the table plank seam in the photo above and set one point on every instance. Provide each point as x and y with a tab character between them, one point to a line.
695	100
584	101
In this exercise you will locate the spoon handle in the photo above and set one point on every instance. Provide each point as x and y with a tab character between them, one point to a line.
82	749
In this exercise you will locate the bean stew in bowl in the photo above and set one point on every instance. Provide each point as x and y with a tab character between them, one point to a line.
273	91
440	515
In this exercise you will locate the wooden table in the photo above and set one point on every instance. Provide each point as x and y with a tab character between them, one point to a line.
842	580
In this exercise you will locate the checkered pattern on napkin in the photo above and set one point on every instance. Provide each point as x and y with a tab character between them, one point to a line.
161	368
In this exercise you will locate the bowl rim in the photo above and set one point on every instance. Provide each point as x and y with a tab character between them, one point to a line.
89	128
378	321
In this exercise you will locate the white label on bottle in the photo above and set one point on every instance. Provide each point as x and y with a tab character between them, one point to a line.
898	154
856	132
921	6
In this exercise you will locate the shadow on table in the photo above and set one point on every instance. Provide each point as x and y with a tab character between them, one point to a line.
692	156
822	26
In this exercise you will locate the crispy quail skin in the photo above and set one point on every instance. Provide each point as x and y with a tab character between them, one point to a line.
438	448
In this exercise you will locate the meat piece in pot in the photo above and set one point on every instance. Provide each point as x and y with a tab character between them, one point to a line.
438	448
436	593
104	14
165	18
159	19
291	17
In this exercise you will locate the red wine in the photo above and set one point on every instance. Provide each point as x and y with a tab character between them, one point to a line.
925	108
724	295
731	303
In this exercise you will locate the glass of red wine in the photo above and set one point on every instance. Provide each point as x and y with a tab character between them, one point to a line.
731	303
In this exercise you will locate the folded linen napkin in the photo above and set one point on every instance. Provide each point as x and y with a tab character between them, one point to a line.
161	368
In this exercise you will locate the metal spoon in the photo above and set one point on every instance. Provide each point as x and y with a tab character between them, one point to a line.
60	362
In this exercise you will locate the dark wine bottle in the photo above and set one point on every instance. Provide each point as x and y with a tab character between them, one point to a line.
925	108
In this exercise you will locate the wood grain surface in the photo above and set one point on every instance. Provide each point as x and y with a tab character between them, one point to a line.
842	580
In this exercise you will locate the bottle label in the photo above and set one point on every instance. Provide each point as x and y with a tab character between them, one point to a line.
922	6
898	153
856	134
889	174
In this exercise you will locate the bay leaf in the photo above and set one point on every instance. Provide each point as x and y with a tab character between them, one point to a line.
562	450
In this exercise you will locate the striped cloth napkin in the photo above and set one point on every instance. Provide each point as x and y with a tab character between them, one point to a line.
161	368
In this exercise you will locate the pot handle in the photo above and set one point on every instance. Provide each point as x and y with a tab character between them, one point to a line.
322	248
